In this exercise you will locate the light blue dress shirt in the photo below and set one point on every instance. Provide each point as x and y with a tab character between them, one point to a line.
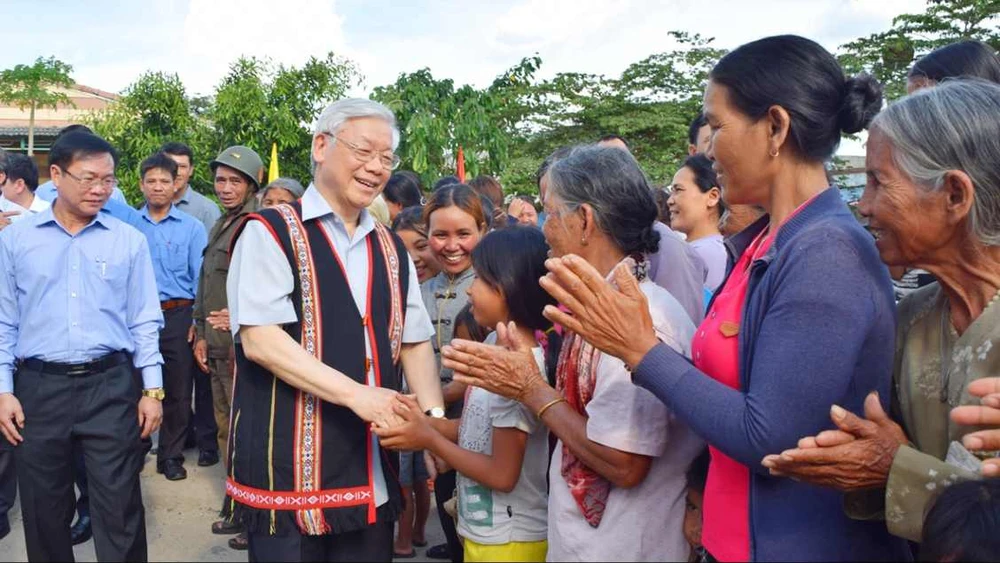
124	213
47	191
176	244
75	298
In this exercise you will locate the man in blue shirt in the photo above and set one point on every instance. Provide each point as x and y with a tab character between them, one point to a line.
78	305
176	243
47	191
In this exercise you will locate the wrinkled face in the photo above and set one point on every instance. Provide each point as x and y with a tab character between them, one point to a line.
86	184
689	207
420	252
354	175
231	186
738	147
692	518
183	170
158	187
277	196
562	228
488	305
453	234
908	221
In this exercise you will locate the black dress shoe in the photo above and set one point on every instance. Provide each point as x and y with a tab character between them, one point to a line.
172	469
208	458
439	551
80	532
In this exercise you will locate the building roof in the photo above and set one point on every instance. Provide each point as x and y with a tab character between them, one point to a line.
16	131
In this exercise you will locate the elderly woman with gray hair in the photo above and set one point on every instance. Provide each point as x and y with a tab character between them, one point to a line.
617	480
933	201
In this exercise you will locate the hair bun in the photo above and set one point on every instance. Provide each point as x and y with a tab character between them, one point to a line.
862	101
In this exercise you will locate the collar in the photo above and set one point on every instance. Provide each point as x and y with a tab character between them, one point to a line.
185	197
314	206
172	213
47	217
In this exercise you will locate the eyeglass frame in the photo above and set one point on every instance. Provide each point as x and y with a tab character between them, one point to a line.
361	153
88	184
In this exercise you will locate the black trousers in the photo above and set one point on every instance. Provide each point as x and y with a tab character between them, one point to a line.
444	489
178	361
370	544
8	482
96	414
202	429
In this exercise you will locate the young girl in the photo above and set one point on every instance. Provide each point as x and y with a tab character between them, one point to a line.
502	450
455	222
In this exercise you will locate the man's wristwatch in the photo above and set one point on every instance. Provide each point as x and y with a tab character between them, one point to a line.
435	412
156	393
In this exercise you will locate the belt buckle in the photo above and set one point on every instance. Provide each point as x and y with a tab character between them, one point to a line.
78	370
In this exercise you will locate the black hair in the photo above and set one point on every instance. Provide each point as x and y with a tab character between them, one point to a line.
489	187
696	126
76	145
661	195
404	189
468	320
697	472
963	523
704	176
158	160
410	219
613	137
543	168
802	77
71	128
463	197
22	167
178	149
446	181
967	59
511	261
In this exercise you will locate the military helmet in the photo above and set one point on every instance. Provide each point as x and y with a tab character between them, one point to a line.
242	159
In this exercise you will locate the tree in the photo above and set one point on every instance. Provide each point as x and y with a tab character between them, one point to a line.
30	87
888	55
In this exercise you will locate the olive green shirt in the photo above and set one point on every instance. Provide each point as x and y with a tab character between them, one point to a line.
212	283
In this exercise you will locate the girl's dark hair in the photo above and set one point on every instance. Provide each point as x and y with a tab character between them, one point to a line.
511	261
410	219
489	187
802	77
445	181
965	59
404	189
704	176
461	196
466	319
963	523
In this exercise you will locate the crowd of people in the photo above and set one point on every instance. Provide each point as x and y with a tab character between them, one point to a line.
717	370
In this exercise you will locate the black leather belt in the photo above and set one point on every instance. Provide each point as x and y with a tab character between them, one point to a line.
77	370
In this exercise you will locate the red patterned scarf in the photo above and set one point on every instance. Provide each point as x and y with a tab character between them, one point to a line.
576	379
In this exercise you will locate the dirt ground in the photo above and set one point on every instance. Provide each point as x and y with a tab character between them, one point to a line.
178	519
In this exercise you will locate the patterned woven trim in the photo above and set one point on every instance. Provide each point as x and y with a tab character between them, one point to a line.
395	290
295	500
307	406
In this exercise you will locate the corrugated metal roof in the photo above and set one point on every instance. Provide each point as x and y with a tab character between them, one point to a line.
23	131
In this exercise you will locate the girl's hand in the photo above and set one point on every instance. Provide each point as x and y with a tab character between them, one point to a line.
415	433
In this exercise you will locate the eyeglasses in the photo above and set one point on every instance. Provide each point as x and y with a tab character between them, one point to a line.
108	182
388	160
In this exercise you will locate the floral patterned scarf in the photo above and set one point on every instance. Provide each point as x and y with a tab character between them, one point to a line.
576	379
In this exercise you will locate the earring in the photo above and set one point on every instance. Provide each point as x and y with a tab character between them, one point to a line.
583	241
773	153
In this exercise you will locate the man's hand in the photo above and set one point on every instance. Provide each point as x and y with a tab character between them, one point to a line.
201	354
375	405
192	333
5	218
150	415
11	418
219	320
414	434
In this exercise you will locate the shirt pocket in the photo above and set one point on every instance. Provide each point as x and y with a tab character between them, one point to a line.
174	257
218	259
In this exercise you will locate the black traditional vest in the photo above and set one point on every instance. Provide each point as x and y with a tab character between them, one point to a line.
295	461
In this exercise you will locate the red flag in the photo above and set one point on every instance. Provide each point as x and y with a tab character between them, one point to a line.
460	165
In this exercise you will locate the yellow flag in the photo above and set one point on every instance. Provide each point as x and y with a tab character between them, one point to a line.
272	172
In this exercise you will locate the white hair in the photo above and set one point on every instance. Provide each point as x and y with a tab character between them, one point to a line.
335	115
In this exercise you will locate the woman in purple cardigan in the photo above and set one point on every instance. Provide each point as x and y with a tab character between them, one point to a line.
804	319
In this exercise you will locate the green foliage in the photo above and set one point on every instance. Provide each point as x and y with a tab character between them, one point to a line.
888	55
30	87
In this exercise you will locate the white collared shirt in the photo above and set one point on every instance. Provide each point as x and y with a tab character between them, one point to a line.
37	204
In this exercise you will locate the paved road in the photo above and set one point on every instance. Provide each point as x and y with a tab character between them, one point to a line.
178	519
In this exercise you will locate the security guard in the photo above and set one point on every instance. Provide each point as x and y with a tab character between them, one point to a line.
237	172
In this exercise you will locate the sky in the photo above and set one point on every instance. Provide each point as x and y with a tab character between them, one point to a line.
110	43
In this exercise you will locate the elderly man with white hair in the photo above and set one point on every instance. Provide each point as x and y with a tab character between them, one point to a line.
325	307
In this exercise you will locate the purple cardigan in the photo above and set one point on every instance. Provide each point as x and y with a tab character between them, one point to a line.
817	329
